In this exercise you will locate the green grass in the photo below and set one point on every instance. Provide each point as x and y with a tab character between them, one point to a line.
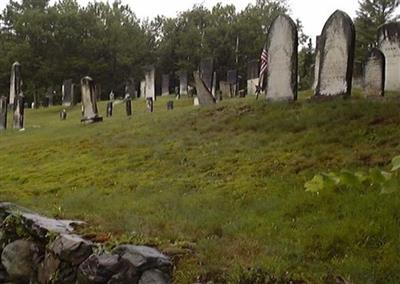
220	189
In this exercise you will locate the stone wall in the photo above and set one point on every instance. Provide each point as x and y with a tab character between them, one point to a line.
36	249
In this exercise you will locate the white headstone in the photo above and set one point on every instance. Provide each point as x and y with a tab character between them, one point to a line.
374	74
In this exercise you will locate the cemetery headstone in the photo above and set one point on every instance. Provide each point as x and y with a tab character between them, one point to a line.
232	78
207	72
89	101
389	44
128	106
3	112
143	89
15	83
225	89
374	74
63	114
165	85
19	111
203	93
170	105
150	83
183	83
130	88
68	93
150	104
337	43
252	77
282	60
109	110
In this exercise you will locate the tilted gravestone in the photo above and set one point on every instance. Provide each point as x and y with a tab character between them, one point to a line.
3	112
317	62
374	74
19	111
282	60
67	93
165	85
15	83
232	78
252	77
203	93
89	101
337	43
183	83
389	44
150	89
130	88
207	72
143	89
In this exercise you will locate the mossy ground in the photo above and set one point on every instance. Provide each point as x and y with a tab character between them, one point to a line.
220	188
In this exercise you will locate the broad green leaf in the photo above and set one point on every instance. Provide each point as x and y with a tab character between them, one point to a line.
349	179
396	164
315	185
390	186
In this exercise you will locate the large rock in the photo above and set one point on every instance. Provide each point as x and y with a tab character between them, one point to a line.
20	259
144	258
154	276
71	248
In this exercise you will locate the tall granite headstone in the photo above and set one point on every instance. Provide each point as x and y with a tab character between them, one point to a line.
207	72
203	93
282	62
165	85
389	44
232	78
150	90
252	77
68	93
3	112
15	83
183	83
89	101
374	74
337	43
317	62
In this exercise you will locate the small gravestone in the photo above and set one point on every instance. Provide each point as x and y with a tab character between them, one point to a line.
374	74
337	43
3	112
203	93
207	72
282	60
150	104
183	83
165	85
50	97
389	44
63	114
252	77
150	90
68	93
232	78
143	89
170	105
225	89
128	106
316	65
109	110
15	83
89	101
130	88
19	112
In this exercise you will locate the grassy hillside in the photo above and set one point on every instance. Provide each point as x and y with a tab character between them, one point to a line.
220	189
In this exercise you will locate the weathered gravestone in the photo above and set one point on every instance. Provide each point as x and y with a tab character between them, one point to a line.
337	56
109	109
143	89
165	85
150	104
232	78
389	44
183	83
317	62
130	88
225	89
374	74
252	77
19	111
89	101
203	93
3	113
282	60
207	72
15	83
128	106
150	89
68	93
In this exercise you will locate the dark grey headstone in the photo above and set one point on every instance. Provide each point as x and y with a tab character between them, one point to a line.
207	72
183	83
89	101
15	83
3	112
68	93
374	74
165	85
282	59
389	44
128	106
337	43
253	71
203	93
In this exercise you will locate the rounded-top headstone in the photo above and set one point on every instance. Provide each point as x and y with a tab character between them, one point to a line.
374	74
282	59
389	44
337	43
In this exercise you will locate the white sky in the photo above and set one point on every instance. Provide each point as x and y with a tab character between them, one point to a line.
313	13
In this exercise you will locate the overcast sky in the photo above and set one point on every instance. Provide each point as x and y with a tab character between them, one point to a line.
313	13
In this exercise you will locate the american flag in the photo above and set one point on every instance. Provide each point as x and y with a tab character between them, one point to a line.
263	69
